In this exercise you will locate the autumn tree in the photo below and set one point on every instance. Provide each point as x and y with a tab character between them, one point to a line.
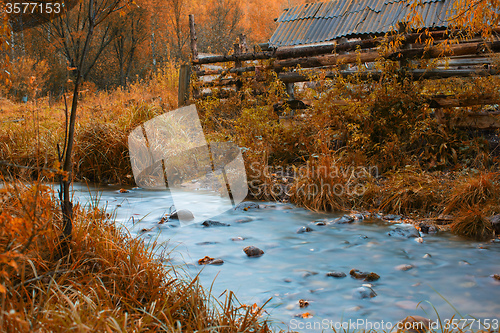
222	26
130	31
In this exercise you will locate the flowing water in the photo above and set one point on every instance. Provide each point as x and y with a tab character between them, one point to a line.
449	273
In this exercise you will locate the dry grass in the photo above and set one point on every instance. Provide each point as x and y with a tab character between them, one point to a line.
108	282
30	132
481	189
473	224
409	191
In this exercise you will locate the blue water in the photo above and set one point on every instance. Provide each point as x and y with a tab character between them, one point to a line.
456	279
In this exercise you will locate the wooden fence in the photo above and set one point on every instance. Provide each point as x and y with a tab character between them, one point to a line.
469	58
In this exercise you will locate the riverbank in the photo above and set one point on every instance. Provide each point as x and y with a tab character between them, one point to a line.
108	281
382	151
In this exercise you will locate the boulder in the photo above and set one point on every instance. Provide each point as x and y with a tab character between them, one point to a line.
212	223
253	251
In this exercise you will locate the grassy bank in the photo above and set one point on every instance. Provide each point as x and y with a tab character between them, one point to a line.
108	282
361	145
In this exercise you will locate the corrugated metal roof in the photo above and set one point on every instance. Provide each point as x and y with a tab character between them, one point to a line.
324	21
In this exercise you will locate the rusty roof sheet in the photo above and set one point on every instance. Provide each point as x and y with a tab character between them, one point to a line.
325	21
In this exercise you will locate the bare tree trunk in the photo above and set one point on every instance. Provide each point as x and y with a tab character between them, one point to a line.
66	204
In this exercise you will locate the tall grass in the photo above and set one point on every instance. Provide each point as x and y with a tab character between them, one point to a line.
109	282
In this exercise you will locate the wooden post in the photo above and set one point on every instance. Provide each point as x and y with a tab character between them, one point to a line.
237	63
194	56
192	31
184	80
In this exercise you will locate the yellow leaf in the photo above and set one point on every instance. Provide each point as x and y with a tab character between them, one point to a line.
2	289
72	68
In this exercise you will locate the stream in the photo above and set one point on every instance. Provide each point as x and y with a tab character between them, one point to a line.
447	273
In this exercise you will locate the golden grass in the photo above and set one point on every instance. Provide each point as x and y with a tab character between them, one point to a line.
109	282
30	132
480	189
473	224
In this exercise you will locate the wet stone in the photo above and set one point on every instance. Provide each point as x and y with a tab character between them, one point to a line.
404	267
320	223
210	261
358	216
301	230
247	205
366	276
404	232
182	214
212	223
238	239
336	274
427	255
342	220
253	251
496	277
427	229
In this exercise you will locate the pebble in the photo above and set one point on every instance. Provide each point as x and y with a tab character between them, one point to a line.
253	251
404	267
427	255
238	239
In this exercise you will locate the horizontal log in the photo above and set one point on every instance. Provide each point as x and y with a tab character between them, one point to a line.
233	57
224	71
432	52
